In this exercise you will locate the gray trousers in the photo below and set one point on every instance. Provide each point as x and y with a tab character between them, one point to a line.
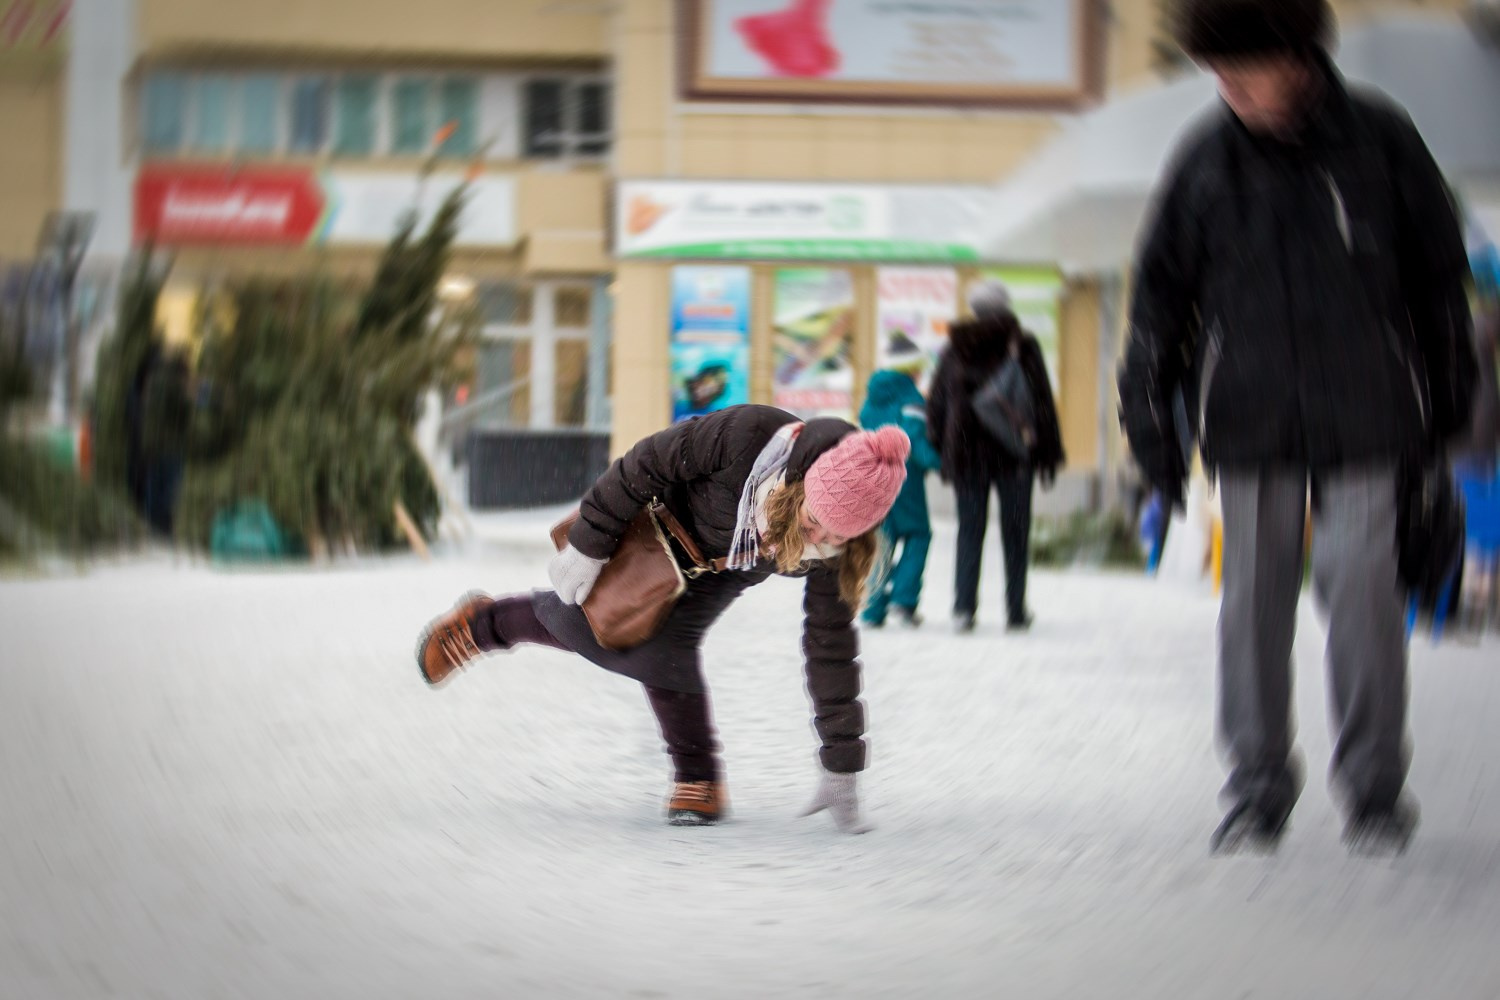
1354	576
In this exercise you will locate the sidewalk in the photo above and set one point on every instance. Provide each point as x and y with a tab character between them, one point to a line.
234	785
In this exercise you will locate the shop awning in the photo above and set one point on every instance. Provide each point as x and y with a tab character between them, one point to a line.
1080	200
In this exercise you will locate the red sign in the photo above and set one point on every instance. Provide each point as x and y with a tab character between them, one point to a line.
219	205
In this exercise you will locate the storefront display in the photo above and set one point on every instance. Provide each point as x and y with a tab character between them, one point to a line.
914	306
710	339
814	328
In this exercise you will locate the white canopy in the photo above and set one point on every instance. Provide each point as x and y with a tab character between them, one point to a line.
1081	199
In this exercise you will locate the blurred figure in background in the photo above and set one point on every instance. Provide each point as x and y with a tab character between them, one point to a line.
1304	262
892	399
975	461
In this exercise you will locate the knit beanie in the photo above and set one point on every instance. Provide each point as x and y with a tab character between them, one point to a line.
1208	29
989	299
904	355
851	486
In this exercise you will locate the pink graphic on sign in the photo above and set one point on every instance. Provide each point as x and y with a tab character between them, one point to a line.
794	41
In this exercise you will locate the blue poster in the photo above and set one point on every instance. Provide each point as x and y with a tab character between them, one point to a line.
710	339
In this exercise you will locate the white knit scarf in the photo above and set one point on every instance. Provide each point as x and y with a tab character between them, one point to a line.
744	549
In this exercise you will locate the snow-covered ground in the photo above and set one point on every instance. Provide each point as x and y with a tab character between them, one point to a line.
234	784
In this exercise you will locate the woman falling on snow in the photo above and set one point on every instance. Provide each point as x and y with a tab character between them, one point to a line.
771	494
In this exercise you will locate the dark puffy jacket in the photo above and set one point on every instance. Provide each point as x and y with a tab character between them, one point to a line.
1308	296
892	398
698	468
976	349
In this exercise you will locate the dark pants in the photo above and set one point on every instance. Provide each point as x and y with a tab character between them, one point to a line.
1014	489
685	718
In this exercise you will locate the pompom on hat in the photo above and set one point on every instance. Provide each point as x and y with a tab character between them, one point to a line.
852	486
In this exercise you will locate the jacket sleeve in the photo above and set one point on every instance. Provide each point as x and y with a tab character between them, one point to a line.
1048	455
830	646
683	452
1434	272
1163	319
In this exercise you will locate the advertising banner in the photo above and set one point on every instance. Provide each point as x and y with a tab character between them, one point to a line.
914	306
710	339
753	221
814	328
891	51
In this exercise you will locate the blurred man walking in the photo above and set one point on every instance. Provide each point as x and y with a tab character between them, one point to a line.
1303	278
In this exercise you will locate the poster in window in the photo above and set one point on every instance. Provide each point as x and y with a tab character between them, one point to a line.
710	339
914	306
813	332
1036	297
996	52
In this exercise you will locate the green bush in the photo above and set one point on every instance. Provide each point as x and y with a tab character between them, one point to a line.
1086	539
47	507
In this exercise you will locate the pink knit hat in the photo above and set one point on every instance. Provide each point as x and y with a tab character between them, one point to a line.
851	486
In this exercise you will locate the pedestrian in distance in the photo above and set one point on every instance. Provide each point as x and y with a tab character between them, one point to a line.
892	399
761	493
992	418
1302	275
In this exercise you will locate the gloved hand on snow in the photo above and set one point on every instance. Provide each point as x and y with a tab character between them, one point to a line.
837	793
573	574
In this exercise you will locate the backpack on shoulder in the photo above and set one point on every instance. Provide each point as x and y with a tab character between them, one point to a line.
1005	407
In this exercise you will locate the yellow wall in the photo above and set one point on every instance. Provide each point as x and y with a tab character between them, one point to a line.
479	29
1079	375
31	106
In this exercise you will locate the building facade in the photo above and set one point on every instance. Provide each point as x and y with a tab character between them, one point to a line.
676	204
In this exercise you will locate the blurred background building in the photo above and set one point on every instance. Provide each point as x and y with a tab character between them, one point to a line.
676	204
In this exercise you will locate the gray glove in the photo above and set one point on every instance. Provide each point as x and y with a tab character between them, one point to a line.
573	574
837	794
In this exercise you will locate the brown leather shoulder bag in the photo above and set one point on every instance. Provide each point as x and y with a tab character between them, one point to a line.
642	581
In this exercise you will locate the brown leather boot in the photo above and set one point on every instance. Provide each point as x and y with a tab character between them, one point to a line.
447	643
697	803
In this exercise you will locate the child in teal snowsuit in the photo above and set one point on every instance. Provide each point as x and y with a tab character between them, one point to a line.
892	397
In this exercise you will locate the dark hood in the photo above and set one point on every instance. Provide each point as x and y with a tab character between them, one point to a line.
817	436
890	388
981	343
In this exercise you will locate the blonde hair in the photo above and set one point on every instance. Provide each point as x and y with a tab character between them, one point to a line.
784	534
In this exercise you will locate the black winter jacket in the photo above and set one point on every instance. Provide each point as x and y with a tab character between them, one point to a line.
976	349
1307	296
698	468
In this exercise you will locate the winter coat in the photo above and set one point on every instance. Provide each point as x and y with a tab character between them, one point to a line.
1307	295
893	398
698	468
976	350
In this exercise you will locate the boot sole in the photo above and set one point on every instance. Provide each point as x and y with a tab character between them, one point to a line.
684	817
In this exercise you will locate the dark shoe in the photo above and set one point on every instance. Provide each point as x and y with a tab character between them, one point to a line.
907	617
447	643
1381	830
697	803
963	622
1248	827
1021	624
871	622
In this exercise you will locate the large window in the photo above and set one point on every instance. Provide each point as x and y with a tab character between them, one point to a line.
533	361
361	115
355	109
566	117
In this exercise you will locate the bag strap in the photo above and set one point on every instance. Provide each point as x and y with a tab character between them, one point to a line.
669	521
